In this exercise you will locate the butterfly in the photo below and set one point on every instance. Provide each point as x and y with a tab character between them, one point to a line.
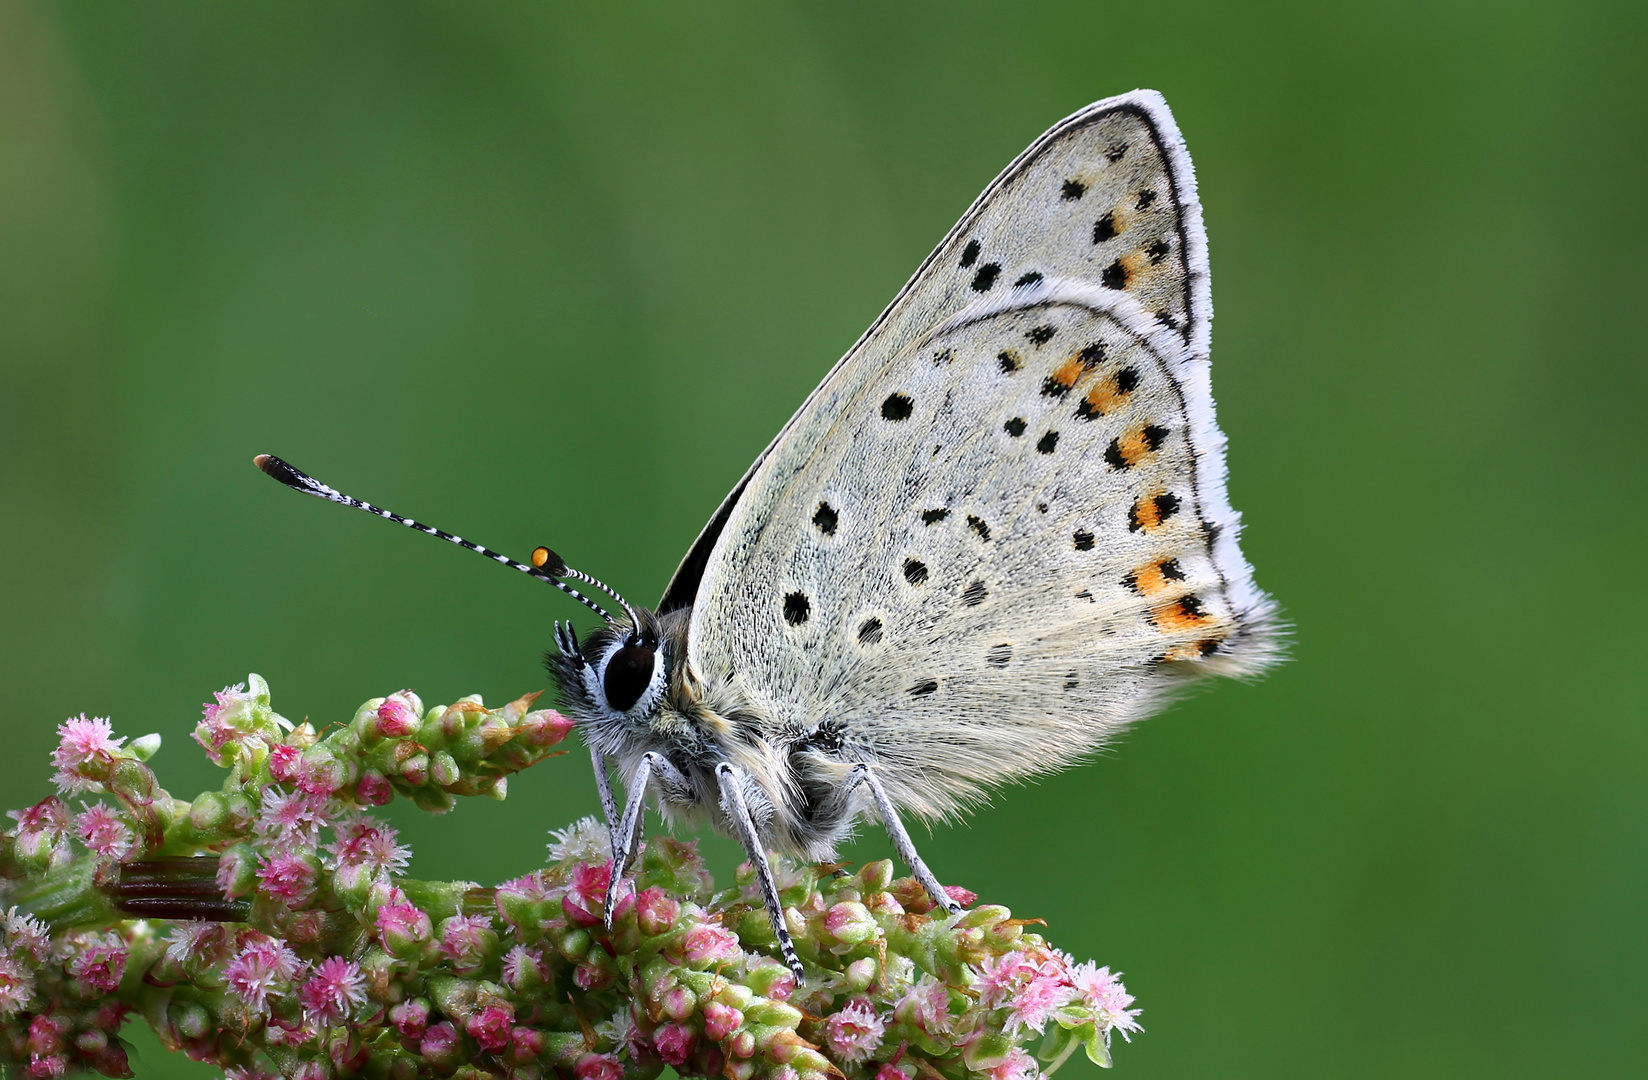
995	535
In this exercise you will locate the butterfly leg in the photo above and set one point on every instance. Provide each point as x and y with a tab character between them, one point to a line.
738	811
609	805
626	838
902	845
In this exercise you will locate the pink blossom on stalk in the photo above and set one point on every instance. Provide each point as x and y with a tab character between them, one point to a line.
291	1033
440	1042
466	939
1108	998
283	762
598	1067
395	718
720	1020
589	885
490	1027
263	967
25	933
374	789
333	992
216	728
84	747
102	831
855	1031
524	970
290	818
926	1005
706	944
204	943
288	878
49	815
1018	1066
674	1043
98	963
366	841
16	985
402	927
545	727
410	1018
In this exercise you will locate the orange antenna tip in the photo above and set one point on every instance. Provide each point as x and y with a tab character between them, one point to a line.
260	459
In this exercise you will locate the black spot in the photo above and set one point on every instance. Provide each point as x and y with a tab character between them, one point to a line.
1091	355
1114	276
1041	507
1071	682
1127	380
1208	647
986	276
1051	387
1170	569
1028	279
1009	361
1167	320
1104	229
1014	427
974	594
933	517
826	518
923	688
1157	252
1114	154
999	655
1132	582
979	525
1085	595
1084	540
1166	507
970	254
896	407
1152	436
796	608
1072	189
1192	606
1146	197
915	571
943	356
869	631
1048	442
1041	335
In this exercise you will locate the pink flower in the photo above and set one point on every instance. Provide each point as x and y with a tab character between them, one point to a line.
490	1027
467	939
403	927
440	1042
283	762
290	818
288	878
411	1018
1108	998
365	841
1036	1002
656	911
674	1043
891	1072
721	1020
98	964
545	727
16	985
85	750
217	727
202	943
264	967
282	1032
49	815
524	970
855	1031
320	774
1018	1066
374	789
705	945
589	885
395	718
25	934
926	1005
598	1067
102	831
333	992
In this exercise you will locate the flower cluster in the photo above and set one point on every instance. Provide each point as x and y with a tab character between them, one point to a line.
268	927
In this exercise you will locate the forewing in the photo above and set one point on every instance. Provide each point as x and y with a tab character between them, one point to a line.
1106	196
984	545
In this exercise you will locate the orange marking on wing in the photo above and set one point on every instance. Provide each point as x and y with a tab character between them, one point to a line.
1185	613
1193	650
1106	396
1152	578
1135	446
1068	372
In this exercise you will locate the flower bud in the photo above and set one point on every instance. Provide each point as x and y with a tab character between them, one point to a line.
443	769
706	945
410	1018
656	911
544	727
720	1020
674	1043
491	1027
396	717
598	1067
403	929
442	1046
861	974
850	923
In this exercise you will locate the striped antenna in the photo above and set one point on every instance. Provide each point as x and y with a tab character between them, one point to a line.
548	569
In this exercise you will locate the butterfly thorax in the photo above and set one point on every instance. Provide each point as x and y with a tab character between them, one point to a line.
793	773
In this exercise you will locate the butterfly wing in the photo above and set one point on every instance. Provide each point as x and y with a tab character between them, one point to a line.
997	532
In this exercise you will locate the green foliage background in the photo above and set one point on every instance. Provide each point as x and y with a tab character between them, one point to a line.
555	273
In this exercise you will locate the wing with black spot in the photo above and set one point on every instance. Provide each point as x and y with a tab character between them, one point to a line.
998	531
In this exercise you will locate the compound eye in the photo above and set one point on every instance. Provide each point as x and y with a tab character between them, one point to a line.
628	675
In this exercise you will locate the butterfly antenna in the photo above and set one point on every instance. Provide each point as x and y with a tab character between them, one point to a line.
543	555
549	569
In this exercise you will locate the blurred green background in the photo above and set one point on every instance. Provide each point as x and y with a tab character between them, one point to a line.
542	273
